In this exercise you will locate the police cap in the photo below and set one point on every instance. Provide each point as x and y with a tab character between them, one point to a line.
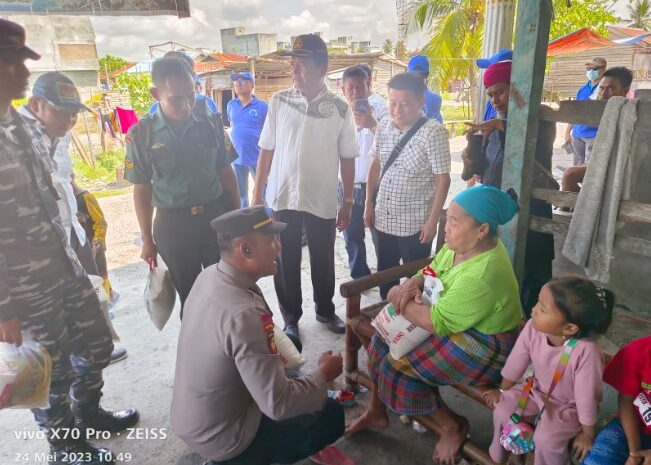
246	221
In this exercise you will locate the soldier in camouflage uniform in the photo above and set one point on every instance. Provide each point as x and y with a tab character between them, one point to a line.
43	287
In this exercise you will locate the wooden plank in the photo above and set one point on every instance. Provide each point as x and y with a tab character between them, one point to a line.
634	212
634	245
558	198
629	211
529	59
588	112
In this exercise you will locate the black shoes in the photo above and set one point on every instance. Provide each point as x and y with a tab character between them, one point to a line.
80	452
334	324
291	330
99	419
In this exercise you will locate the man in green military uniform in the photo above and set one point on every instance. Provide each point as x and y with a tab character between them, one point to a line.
179	159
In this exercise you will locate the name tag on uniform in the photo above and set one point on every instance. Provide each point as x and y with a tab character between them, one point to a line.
644	408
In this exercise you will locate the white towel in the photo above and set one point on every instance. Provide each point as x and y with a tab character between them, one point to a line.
590	239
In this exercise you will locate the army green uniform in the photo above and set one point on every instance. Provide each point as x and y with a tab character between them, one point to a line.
42	282
182	162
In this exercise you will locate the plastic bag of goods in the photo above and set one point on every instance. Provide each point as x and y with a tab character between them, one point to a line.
25	374
289	354
400	334
160	294
98	285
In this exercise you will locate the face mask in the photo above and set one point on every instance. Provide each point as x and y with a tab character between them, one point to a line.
592	74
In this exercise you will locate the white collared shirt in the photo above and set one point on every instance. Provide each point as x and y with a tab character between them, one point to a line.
307	140
406	192
62	177
367	136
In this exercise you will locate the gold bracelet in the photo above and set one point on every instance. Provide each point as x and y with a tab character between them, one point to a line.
350	200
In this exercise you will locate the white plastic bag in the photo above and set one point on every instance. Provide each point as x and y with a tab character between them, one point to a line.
25	375
98	285
160	294
400	334
289	354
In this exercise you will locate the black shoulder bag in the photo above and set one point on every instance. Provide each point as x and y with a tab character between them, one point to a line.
397	150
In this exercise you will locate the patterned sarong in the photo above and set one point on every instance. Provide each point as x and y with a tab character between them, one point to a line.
409	385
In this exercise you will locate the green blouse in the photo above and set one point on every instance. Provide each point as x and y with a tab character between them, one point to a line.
480	293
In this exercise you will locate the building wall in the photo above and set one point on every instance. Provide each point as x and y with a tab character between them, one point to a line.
234	40
66	44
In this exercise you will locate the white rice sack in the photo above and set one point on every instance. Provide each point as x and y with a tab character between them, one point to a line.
400	334
289	355
98	285
25	374
160	294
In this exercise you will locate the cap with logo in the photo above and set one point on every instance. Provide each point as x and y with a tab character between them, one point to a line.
418	64
502	55
59	90
12	41
246	221
307	45
244	75
597	62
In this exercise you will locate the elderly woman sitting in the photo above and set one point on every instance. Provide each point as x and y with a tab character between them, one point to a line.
473	325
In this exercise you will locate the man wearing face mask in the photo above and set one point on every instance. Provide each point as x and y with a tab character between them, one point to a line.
179	160
583	136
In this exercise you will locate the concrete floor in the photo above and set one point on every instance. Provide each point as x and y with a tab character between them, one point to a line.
144	380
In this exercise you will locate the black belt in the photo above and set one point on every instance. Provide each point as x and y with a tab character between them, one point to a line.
194	210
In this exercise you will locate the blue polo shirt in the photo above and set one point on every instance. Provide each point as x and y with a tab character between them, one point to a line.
247	122
199	97
579	130
432	107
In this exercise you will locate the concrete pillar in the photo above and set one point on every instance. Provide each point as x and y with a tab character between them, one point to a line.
498	34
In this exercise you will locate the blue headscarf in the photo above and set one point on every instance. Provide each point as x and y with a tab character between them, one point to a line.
487	204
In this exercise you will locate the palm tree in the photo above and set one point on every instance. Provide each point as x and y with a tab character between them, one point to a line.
640	13
455	40
401	50
388	47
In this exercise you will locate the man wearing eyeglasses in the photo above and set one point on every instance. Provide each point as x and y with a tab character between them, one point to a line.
583	136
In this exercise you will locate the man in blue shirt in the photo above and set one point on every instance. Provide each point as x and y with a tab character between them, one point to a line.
419	64
483	63
246	114
583	137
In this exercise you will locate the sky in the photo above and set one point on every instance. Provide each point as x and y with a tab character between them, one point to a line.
374	20
130	37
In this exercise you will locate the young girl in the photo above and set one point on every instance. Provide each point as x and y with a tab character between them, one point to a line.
569	307
627	439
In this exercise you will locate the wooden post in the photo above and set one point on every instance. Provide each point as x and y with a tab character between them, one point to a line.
529	58
352	343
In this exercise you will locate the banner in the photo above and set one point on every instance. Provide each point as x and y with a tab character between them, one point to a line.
180	8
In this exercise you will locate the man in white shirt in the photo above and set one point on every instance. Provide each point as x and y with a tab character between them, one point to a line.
309	135
367	117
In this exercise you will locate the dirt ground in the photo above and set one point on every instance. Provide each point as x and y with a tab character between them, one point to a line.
144	380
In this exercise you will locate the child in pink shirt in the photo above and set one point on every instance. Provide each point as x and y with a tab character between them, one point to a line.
568	307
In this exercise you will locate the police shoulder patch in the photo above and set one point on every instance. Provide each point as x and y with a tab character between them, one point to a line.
128	164
268	327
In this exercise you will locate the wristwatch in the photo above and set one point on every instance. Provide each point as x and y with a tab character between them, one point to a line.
349	200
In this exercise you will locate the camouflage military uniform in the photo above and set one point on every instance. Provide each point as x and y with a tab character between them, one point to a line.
42	282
